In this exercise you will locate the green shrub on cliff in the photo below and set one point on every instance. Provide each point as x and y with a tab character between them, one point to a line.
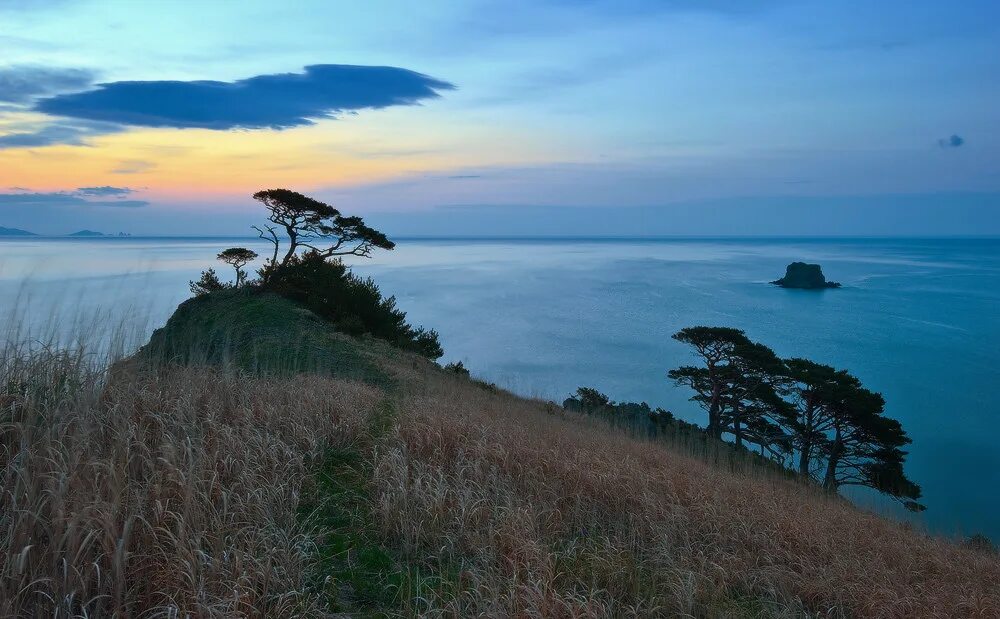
353	304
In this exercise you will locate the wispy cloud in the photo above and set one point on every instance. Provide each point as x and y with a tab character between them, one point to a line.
47	134
22	84
77	198
104	192
133	166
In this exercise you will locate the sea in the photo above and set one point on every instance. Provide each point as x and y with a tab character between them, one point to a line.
917	320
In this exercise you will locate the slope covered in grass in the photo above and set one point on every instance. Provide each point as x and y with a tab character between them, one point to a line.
287	470
259	333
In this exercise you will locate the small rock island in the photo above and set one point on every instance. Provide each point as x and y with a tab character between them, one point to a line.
802	275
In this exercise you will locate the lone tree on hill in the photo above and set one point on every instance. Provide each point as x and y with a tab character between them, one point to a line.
313	225
238	257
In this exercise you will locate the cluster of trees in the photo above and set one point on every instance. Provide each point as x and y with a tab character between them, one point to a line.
636	415
821	421
308	240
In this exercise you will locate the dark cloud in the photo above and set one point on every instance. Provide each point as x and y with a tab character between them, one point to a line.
22	84
74	133
61	199
275	101
951	142
103	192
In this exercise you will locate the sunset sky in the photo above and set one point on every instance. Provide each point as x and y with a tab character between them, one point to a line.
537	117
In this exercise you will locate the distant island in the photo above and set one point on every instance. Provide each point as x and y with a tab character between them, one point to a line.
807	276
79	233
15	232
92	233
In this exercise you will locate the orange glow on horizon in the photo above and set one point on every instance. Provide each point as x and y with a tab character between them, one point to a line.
192	164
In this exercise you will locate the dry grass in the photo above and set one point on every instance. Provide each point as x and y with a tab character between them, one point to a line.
551	516
169	494
178	492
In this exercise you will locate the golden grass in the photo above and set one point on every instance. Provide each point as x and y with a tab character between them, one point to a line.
175	493
169	494
549	515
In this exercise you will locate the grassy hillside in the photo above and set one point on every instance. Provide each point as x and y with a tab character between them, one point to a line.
250	461
263	334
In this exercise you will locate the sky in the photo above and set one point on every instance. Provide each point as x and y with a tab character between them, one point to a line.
540	117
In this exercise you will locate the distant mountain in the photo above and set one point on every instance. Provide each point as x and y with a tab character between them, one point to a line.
86	233
15	232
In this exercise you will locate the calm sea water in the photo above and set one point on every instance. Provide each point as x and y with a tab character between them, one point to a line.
918	320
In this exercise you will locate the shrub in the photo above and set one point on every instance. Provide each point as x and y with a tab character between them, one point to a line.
353	304
457	367
209	282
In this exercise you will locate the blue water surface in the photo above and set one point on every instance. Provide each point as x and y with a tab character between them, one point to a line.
917	320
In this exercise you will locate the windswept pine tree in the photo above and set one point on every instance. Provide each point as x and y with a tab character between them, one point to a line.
826	417
716	346
842	435
738	386
313	225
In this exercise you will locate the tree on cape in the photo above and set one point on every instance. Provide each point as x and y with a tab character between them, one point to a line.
238	257
831	420
717	347
865	449
316	226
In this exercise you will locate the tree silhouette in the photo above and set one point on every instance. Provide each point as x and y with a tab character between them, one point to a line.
865	446
738	385
238	257
836	425
715	346
815	390
591	399
753	407
313	225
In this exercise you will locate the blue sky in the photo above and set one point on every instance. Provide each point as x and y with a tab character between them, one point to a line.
592	117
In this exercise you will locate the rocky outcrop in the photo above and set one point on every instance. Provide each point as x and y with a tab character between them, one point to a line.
802	275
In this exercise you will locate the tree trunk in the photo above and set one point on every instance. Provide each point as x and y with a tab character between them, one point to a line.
805	456
713	413
293	244
830	479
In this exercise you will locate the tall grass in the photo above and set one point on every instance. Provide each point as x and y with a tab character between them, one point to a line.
545	514
159	492
203	489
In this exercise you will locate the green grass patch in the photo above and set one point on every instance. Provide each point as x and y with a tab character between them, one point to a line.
260	333
355	570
